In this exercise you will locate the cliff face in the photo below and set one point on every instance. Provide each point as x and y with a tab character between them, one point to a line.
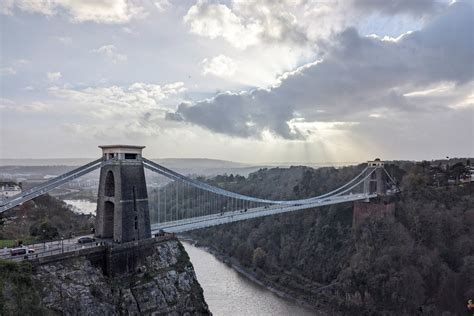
165	283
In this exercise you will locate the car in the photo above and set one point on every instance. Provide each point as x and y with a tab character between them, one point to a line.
85	239
161	232
20	251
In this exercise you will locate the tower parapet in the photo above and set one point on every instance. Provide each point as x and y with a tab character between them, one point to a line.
122	152
122	203
375	163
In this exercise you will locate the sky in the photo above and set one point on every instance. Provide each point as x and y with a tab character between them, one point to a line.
248	81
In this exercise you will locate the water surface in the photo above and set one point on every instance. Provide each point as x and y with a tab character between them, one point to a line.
82	206
229	293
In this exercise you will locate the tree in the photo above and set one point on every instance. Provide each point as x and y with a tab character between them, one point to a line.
259	257
44	231
457	171
414	181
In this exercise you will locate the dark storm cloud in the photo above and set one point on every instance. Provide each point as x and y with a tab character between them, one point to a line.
242	115
172	116
356	76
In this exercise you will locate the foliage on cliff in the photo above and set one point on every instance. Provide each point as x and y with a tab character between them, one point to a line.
420	260
43	218
18	294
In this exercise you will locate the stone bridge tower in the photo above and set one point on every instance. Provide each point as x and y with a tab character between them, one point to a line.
383	205
122	203
376	182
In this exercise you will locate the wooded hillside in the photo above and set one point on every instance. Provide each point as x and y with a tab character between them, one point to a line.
420	261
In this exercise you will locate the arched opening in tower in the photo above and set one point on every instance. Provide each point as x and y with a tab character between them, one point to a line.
109	209
109	184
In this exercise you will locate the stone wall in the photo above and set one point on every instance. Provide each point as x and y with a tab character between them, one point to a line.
128	257
376	208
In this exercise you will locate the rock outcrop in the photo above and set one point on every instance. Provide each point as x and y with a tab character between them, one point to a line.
163	284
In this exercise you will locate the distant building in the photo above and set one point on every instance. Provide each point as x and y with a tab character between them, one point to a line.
9	189
470	176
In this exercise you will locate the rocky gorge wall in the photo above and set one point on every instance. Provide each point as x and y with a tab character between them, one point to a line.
163	284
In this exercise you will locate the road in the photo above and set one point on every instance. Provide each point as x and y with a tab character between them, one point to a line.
51	248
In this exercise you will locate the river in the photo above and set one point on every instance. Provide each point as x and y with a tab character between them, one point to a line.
229	293
82	206
225	290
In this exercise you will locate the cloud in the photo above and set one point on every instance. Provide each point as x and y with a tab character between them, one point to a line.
247	23
99	11
220	66
111	111
53	76
33	107
162	5
21	62
356	76
393	7
15	66
217	20
127	30
4	103
66	40
298	23
115	100
8	71
111	54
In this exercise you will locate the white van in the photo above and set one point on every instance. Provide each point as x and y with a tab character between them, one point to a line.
20	251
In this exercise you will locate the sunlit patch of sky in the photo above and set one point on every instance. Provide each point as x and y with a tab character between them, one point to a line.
392	26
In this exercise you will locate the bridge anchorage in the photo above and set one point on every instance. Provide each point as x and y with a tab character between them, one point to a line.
123	206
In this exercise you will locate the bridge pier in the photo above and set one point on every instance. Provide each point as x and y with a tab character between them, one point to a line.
122	203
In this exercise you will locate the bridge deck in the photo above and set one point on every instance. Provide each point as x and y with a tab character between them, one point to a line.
56	248
230	217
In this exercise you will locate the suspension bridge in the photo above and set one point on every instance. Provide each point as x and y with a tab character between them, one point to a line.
184	203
